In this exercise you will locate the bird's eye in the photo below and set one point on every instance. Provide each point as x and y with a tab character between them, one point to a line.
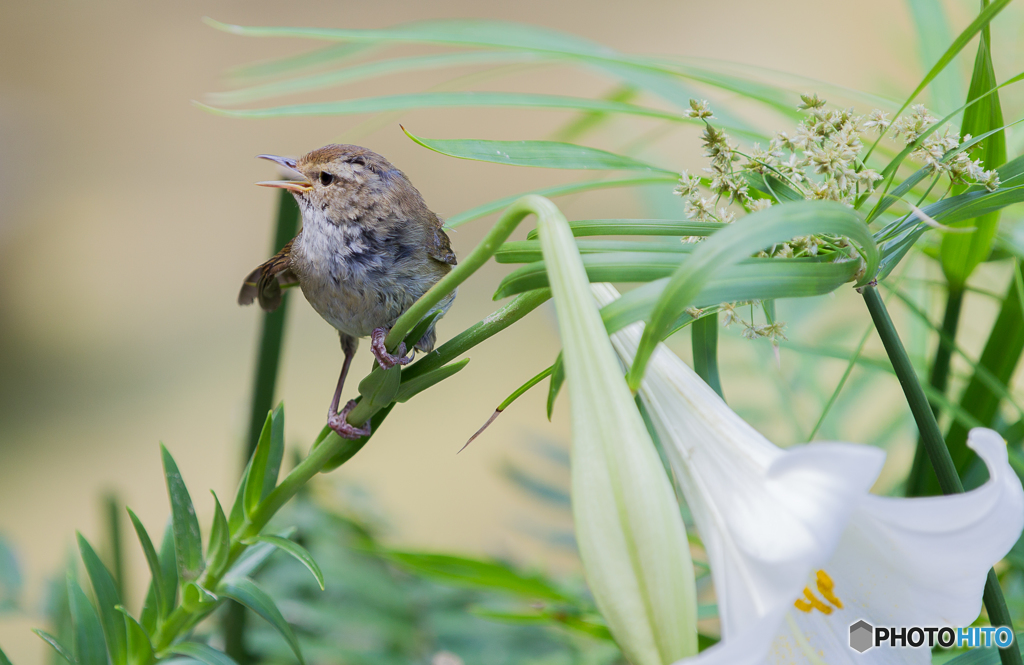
326	178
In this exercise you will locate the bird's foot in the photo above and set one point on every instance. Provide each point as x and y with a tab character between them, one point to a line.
344	429
380	351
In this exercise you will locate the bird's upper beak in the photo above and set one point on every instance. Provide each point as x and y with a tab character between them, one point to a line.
297	186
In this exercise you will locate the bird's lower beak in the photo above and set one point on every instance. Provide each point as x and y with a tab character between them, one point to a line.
297	186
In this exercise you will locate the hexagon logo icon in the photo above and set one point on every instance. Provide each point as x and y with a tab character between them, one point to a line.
861	636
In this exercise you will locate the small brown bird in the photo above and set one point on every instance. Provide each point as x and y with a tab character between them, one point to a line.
368	249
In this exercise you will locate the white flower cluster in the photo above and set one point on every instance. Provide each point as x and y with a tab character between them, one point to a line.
820	160
960	168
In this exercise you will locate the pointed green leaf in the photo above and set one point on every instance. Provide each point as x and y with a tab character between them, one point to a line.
219	545
4	660
296	550
90	647
544	154
237	515
705	351
108	600
246	592
201	652
62	650
188	546
415	386
196	599
960	253
254	480
276	450
140	646
380	387
169	566
254	557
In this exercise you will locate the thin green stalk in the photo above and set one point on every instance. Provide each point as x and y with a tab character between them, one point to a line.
934	445
267	364
272	332
938	378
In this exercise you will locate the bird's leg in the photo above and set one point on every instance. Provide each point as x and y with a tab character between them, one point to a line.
380	352
346	430
338	421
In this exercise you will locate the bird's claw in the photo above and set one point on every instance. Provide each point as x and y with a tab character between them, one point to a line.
346	430
380	351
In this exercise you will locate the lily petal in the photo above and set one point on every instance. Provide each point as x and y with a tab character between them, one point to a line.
766	516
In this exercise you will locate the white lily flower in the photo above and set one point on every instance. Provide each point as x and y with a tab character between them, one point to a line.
629	530
799	550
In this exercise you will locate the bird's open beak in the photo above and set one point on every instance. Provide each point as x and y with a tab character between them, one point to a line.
297	186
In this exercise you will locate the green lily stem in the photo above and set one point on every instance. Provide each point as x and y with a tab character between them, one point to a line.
502	229
267	364
938	378
935	447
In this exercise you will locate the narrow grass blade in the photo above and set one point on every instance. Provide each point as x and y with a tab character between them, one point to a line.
637	227
558	190
982	20
363	71
705	351
544	154
933	35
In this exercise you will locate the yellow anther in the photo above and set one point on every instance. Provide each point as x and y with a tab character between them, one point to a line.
813	600
803	605
825	586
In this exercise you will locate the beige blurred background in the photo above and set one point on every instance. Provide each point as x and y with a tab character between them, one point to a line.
128	218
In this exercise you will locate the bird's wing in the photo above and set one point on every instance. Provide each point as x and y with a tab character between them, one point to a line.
264	283
440	247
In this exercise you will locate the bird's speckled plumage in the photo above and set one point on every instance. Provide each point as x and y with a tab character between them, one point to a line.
368	249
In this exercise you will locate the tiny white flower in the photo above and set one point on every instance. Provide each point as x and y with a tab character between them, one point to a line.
700	109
